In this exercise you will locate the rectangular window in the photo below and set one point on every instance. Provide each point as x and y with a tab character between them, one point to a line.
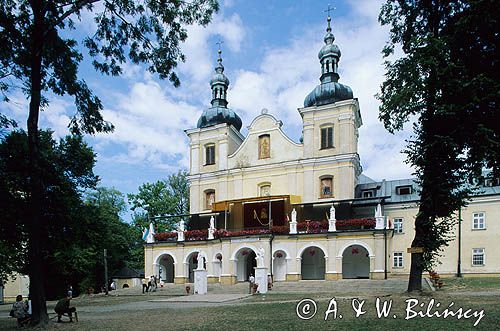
210	154
403	190
478	222
327	137
398	225
478	257
397	259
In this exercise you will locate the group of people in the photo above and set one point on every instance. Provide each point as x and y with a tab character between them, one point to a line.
251	283
149	284
21	310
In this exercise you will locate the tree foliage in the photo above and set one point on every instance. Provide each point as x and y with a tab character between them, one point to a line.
164	197
80	221
448	79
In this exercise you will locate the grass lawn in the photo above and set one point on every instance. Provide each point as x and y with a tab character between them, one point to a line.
277	311
472	283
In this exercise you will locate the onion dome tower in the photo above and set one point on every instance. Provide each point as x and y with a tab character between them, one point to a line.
219	113
330	90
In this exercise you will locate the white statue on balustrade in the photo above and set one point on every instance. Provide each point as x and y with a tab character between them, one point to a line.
180	231
332	226
293	223
211	228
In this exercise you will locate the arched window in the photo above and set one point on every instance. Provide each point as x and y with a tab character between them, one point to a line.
264	146
265	189
326	187
209	198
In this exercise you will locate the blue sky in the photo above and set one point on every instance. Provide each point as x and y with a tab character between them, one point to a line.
270	57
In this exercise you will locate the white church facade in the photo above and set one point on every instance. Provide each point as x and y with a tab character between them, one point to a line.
305	206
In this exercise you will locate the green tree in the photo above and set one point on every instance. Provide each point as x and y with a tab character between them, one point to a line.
448	79
66	171
106	205
78	229
39	53
164	197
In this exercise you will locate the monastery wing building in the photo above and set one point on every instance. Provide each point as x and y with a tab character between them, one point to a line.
304	209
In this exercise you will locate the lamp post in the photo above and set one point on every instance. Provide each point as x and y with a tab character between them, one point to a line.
459	261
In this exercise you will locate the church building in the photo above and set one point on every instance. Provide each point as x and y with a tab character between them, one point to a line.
303	208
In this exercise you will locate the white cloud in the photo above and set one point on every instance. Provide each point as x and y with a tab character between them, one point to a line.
150	117
289	73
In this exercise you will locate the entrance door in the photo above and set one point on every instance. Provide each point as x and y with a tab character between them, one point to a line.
355	263
166	272
245	264
313	263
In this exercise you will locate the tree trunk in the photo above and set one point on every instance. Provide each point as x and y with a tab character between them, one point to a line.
35	226
417	265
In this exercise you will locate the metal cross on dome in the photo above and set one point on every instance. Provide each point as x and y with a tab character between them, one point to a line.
220	42
329	9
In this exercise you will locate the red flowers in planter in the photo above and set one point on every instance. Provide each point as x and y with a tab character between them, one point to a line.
194	235
357	223
312	251
244	253
164	236
279	255
280	229
355	250
224	233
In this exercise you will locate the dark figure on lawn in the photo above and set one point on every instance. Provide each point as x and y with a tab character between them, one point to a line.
20	311
62	307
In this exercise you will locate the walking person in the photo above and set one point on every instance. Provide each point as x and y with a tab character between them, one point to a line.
144	285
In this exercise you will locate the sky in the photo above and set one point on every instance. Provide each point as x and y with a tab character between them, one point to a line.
269	53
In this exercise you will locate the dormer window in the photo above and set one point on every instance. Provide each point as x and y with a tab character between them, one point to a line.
367	194
327	137
210	154
404	190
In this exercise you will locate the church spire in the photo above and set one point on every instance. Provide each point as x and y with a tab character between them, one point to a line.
330	90
218	113
219	83
329	55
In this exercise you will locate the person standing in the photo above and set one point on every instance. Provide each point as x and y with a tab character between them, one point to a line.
144	285
70	291
251	281
150	283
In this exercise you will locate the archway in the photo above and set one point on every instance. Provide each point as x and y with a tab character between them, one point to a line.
217	265
166	270
313	263
355	262
279	266
245	264
192	265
